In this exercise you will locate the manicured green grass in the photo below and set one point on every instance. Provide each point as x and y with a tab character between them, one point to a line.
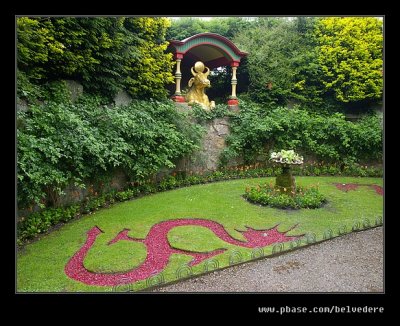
40	265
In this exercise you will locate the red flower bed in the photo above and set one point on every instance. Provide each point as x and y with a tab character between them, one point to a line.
346	187
378	189
353	186
159	250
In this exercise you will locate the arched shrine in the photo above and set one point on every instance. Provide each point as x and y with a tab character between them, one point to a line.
213	50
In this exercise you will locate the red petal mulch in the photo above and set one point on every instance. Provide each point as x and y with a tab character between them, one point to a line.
353	186
159	250
346	187
378	189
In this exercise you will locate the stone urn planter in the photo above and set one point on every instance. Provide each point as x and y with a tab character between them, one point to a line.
285	181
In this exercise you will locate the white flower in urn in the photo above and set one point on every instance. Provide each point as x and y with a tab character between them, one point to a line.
286	157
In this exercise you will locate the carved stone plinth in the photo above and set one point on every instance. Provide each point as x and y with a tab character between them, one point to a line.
285	182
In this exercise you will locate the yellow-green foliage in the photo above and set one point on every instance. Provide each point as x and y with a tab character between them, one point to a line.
103	53
154	69
35	44
350	55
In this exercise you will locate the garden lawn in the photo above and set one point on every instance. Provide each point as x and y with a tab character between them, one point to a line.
40	265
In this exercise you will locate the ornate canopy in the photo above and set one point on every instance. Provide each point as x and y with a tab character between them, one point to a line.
213	49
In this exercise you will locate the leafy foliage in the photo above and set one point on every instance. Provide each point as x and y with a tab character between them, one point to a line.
202	115
27	90
350	54
188	26
318	62
302	197
60	143
256	130
279	59
104	53
36	45
152	70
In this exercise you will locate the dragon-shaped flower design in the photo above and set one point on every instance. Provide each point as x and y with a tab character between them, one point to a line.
159	250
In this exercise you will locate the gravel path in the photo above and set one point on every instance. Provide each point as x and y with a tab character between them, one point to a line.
352	263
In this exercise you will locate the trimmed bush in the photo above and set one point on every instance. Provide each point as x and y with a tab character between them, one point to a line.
301	197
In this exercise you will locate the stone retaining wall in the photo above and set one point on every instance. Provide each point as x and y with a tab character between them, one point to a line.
213	143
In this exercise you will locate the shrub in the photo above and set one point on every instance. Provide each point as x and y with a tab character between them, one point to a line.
63	143
350	55
40	222
329	137
104	53
268	195
202	116
167	183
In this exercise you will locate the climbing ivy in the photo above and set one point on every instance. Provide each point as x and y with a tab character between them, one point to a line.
259	129
63	143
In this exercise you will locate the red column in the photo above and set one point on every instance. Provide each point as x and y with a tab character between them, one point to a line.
177	97
232	98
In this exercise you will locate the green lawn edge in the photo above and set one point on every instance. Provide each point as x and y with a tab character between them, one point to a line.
40	265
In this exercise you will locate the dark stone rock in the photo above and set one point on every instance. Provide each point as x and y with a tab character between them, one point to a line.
22	105
122	98
75	89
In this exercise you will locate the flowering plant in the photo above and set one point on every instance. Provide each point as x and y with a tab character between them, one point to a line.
286	157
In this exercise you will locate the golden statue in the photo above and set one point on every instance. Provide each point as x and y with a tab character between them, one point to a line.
197	84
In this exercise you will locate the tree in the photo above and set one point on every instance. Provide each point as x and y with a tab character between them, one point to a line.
185	27
308	88
188	26
350	55
151	70
97	55
273	44
36	46
104	53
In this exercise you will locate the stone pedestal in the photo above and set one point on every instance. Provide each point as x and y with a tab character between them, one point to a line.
234	108
285	182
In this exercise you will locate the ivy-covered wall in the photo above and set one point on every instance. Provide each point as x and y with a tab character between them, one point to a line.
321	136
71	146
